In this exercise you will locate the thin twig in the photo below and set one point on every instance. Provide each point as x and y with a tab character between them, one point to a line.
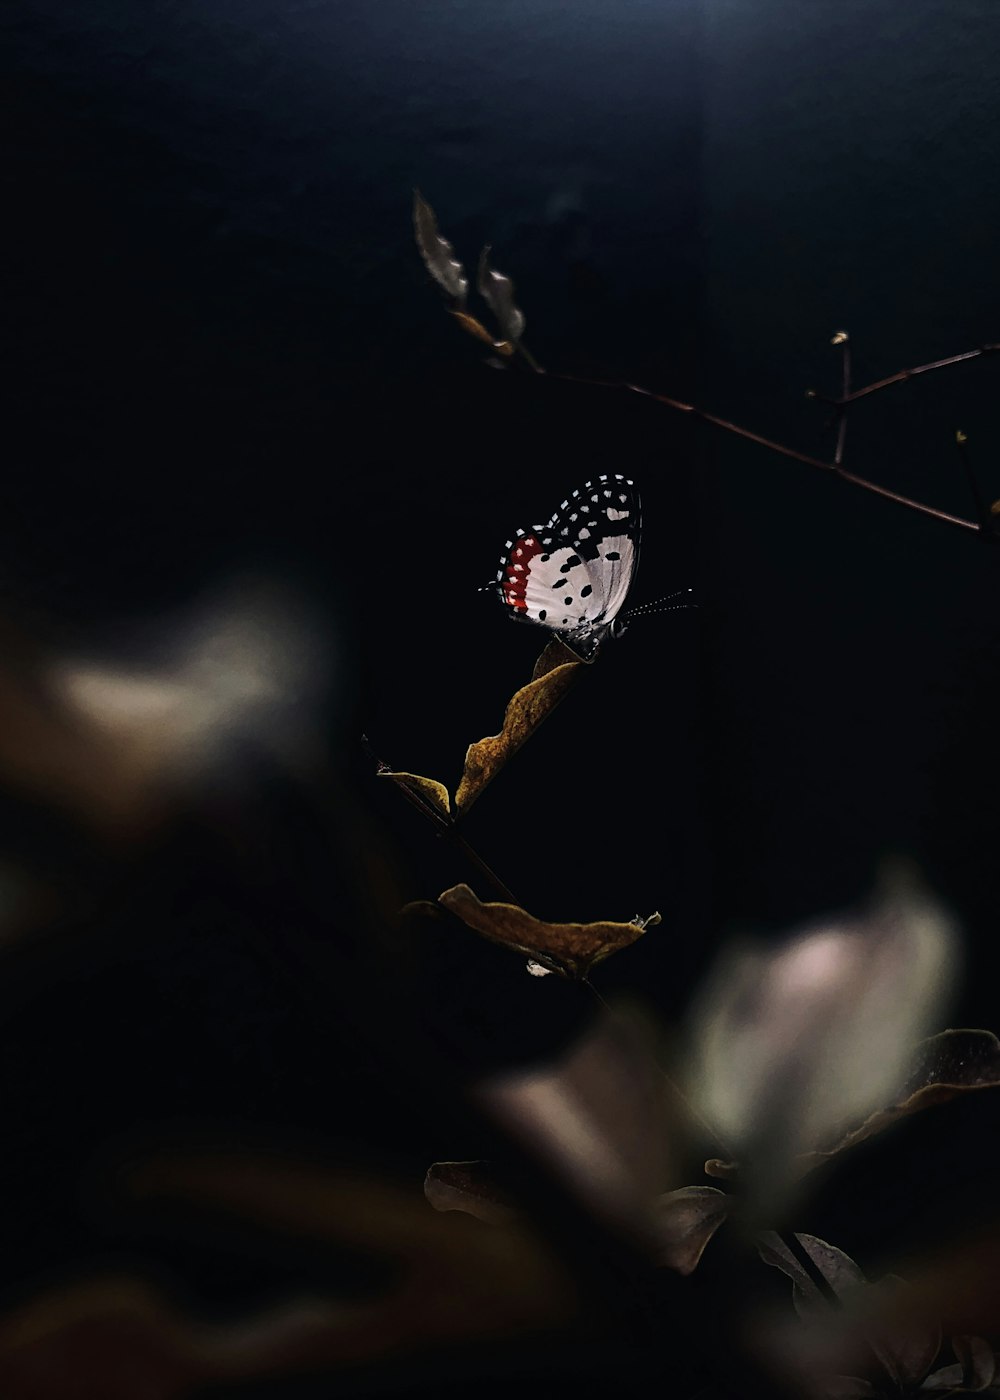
779	448
982	508
529	358
842	339
902	375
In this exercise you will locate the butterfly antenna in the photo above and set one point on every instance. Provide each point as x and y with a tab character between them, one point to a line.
665	604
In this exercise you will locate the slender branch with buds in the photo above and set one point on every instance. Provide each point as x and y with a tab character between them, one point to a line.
497	292
985	526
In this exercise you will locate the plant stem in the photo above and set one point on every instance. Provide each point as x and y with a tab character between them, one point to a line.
838	455
445	825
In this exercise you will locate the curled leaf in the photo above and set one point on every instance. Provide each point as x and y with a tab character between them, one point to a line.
569	948
471	1188
426	791
686	1220
498	293
437	253
721	1169
524	713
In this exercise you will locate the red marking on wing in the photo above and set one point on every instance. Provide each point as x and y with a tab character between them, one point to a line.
516	582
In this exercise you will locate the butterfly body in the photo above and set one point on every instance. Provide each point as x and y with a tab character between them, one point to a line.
572	576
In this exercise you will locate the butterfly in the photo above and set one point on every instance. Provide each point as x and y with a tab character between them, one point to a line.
573	575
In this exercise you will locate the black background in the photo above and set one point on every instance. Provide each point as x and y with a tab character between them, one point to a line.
225	354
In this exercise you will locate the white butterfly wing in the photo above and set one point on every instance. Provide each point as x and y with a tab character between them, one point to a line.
574	574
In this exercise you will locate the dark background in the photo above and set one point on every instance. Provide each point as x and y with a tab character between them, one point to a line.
226	354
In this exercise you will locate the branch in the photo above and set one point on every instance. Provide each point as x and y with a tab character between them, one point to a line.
903	374
823	465
843	340
438	256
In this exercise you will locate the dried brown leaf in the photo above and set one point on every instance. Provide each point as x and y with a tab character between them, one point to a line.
476	328
527	708
498	293
687	1220
554	654
573	948
471	1188
437	253
426	790
949	1064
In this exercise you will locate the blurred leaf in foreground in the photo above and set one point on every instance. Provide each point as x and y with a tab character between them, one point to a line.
600	1117
555	671
448	1285
498	293
977	1369
794	1044
861	1338
118	743
686	1221
437	253
572	949
119	1339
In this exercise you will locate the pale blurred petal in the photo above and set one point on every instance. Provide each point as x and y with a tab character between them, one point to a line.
796	1042
600	1117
